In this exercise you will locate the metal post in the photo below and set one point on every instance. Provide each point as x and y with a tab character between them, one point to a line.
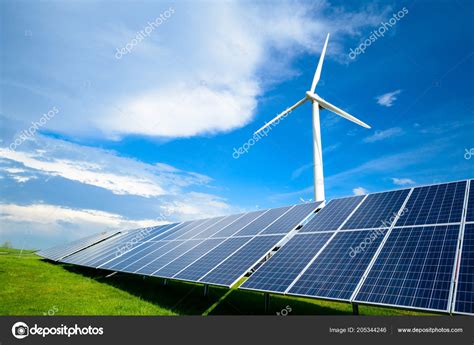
266	301
206	290
165	282
355	309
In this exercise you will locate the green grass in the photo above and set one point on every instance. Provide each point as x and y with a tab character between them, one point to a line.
32	286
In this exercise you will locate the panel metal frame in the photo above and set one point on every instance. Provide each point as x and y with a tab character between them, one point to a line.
457	262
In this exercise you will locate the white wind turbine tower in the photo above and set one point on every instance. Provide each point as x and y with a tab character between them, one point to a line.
318	103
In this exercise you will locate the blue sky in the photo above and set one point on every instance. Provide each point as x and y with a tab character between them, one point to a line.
147	136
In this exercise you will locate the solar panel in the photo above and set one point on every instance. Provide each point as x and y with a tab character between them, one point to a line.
436	204
283	267
206	263
62	251
117	246
377	210
196	231
178	250
134	255
291	219
183	261
230	270
189	228
414	269
262	222
332	215
137	258
470	204
239	224
464	296
219	226
337	270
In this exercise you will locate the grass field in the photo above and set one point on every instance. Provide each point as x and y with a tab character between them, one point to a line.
32	286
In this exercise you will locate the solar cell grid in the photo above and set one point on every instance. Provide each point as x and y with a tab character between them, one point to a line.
338	269
196	231
133	263
284	266
239	263
239	224
203	265
61	251
464	300
157	263
332	215
219	226
377	210
436	204
121	261
291	219
414	268
262	222
470	204
178	264
103	253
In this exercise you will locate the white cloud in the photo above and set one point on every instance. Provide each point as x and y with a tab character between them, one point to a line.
117	174
403	181
385	134
387	99
51	214
42	225
187	78
360	191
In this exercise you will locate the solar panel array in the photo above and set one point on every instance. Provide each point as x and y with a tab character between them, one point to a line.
61	251
216	251
396	248
410	248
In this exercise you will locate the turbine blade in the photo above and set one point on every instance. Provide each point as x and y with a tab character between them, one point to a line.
317	74
326	105
296	105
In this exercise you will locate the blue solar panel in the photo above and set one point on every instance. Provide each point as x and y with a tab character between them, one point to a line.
219	226
437	204
196	224
337	271
470	204
262	222
138	258
179	249
116	246
332	215
135	254
464	300
284	266
414	269
183	261
199	268
377	210
62	251
291	219
239	263
239	224
196	231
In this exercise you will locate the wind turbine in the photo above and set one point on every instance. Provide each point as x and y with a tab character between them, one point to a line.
317	103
